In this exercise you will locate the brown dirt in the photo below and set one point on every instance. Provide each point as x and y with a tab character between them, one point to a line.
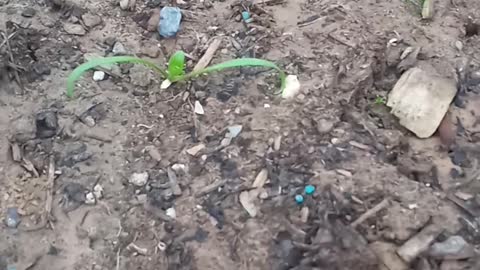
333	135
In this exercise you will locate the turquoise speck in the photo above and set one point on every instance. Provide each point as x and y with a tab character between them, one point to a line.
299	199
245	15
309	189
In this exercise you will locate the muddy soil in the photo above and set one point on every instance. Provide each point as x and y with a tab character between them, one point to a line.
127	176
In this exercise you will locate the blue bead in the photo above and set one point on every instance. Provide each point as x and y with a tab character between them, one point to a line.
299	199
309	189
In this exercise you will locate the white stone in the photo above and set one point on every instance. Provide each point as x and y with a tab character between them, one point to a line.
98	75
139	179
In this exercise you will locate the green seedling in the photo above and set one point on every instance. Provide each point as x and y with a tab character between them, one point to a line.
379	100
175	71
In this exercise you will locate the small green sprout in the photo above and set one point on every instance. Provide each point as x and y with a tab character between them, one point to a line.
175	71
379	100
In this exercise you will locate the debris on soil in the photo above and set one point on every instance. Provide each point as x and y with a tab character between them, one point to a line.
447	131
454	248
119	49
198	108
139	179
46	123
419	243
420	100
170	18
74	29
234	131
292	87
427	9
12	218
193	151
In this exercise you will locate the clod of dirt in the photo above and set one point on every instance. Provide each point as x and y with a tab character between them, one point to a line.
447	131
94	114
28	12
91	20
47	124
420	100
74	29
75	153
74	195
152	23
288	255
472	29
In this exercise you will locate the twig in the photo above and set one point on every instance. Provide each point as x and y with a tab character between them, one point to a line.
208	55
49	200
12	59
384	203
5	40
207	189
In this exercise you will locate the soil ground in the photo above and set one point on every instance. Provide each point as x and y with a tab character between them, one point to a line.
337	135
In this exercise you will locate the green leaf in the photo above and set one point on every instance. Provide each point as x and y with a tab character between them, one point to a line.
176	65
243	62
80	70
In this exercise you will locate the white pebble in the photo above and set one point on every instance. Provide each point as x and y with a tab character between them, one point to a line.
98	76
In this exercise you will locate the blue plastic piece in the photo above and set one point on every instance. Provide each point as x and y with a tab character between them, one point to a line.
245	15
170	18
299	199
309	189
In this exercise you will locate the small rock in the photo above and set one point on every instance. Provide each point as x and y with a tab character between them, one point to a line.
198	108
277	143
139	179
170	18
141	76
292	87
178	167
90	198
127	4
98	76
154	20
196	149
458	157
261	179
324	126
13	218
91	20
47	124
454	248
459	45
171	212
74	29
119	49
234	131
28	12
98	191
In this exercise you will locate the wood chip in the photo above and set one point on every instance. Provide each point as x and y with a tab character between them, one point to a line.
261	179
208	55
196	149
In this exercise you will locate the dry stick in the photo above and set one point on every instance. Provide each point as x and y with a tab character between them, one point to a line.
207	57
15	73
384	203
48	202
